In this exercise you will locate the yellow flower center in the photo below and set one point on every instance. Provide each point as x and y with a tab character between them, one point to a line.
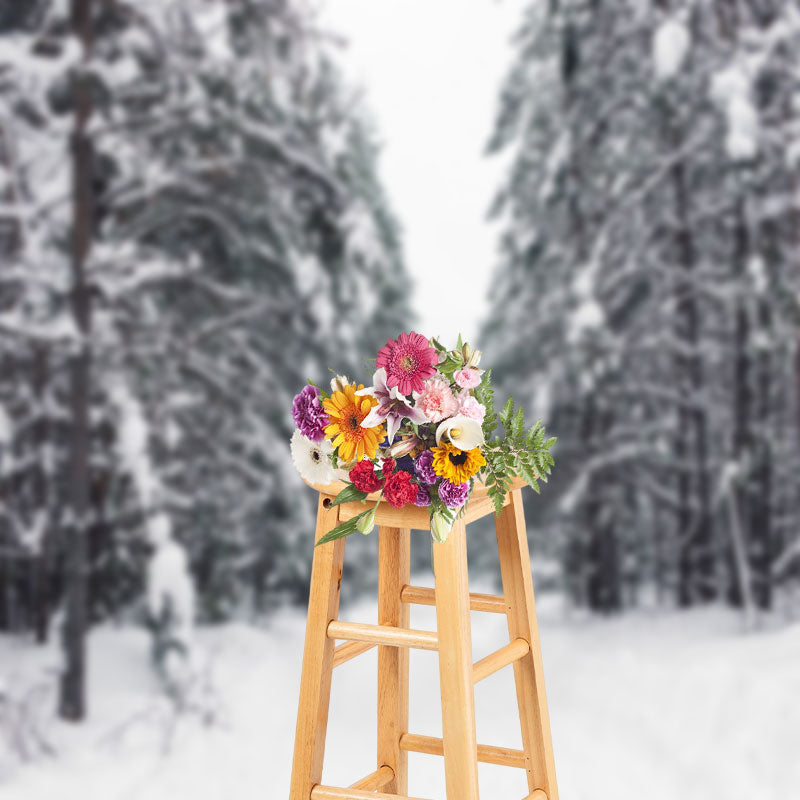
457	465
455	433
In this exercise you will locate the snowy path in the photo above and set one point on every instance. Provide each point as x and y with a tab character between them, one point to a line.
642	708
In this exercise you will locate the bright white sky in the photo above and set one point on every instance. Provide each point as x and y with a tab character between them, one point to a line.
431	72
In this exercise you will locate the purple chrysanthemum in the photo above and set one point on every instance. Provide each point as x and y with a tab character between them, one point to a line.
423	496
423	466
309	415
453	495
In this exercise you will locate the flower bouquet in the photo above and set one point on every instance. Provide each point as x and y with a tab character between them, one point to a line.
422	434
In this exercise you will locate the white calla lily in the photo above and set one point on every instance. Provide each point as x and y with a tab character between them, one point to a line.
461	431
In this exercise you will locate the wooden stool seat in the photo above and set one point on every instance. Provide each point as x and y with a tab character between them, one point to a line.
452	640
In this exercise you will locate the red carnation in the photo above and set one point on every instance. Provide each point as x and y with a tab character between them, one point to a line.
388	467
364	478
399	489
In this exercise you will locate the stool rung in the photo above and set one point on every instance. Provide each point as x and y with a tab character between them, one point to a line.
500	658
344	652
320	792
536	794
375	780
383	634
432	745
423	596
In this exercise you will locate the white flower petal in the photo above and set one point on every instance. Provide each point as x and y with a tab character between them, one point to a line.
417	415
312	459
392	424
378	384
469	433
373	419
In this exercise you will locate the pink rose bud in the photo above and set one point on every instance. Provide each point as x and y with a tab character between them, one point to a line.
467	378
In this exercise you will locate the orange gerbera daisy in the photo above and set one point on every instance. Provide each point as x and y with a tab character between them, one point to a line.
346	411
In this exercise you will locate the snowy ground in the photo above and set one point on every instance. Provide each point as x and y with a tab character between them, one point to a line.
648	707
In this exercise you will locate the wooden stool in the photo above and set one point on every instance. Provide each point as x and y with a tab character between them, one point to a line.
453	640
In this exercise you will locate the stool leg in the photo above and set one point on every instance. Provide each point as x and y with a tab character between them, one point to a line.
393	573
512	542
455	665
315	680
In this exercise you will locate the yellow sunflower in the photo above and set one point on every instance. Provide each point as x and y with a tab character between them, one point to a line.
346	411
457	466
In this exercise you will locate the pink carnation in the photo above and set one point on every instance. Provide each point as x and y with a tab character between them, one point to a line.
468	406
437	400
467	378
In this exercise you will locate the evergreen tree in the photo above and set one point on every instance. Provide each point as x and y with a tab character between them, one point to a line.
626	299
240	243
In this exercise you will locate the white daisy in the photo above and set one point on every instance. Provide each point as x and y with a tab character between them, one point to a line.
312	459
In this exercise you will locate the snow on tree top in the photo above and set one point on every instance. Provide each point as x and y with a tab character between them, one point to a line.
670	46
730	89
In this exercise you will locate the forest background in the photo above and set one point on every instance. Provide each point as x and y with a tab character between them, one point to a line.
194	220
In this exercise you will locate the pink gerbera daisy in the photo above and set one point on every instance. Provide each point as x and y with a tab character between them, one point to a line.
408	361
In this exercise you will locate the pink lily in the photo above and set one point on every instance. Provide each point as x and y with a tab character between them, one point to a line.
392	407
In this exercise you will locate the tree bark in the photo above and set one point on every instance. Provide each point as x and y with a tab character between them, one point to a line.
695	559
40	566
742	444
72	700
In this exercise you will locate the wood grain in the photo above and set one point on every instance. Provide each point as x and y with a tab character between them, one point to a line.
333	793
375	781
344	652
512	542
394	564
453	639
499	659
490	754
422	595
315	679
455	665
383	634
413	517
407	517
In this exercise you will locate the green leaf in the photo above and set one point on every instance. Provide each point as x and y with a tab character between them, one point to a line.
498	496
518	424
449	365
322	393
344	529
348	495
508	409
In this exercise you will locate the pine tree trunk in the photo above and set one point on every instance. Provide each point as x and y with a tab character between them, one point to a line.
40	566
763	550
742	412
72	700
696	564
603	570
765	524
